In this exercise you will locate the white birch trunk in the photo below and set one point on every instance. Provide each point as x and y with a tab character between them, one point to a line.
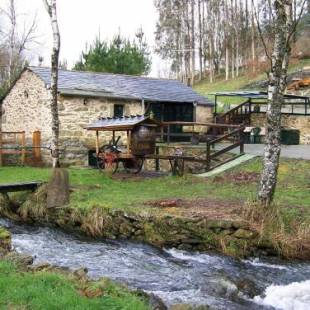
226	43
276	88
253	40
193	52
52	11
12	16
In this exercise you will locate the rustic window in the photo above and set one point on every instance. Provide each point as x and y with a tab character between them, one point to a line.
118	110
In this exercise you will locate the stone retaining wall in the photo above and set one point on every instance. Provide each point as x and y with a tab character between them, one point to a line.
300	122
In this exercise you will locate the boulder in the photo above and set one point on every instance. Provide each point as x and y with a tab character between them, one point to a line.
244	234
81	273
40	267
222	224
19	259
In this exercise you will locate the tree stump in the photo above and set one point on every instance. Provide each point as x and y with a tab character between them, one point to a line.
58	191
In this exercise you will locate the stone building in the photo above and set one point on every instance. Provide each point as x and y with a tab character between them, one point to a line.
84	97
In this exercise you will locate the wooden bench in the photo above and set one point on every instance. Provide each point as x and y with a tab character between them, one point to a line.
18	187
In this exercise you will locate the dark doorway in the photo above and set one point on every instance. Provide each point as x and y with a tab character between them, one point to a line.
169	112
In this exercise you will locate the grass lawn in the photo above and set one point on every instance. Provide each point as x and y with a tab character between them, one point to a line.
47	290
95	188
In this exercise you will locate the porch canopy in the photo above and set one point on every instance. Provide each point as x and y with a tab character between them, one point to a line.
124	123
293	104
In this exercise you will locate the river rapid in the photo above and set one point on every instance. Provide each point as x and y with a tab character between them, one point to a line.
175	276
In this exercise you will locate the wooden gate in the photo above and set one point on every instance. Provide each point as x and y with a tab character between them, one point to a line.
14	143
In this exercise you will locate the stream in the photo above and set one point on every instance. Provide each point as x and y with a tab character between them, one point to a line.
173	275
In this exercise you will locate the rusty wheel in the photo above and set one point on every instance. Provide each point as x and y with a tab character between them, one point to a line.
110	162
100	161
134	165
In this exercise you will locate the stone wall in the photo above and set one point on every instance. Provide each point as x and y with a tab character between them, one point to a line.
300	122
75	114
27	108
204	114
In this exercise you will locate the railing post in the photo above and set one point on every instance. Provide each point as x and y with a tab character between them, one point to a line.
241	140
208	158
1	163
23	144
168	134
157	160
36	142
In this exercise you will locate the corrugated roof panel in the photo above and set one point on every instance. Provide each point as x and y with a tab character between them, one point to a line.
125	121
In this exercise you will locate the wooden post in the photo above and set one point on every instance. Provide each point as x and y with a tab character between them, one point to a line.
168	134
23	145
129	141
1	162
208	156
157	160
113	137
36	143
97	142
241	140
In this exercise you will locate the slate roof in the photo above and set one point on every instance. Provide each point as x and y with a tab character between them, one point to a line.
125	122
121	86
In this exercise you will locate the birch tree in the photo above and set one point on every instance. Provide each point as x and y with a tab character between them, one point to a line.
284	29
52	12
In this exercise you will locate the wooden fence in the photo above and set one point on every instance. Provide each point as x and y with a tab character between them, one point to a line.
14	143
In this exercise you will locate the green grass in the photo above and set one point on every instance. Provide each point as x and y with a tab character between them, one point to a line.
46	290
205	88
95	188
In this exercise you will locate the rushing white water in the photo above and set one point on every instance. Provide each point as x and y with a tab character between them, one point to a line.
294	296
176	276
257	262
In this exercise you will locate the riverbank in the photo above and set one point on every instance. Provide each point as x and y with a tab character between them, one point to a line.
178	277
185	213
43	286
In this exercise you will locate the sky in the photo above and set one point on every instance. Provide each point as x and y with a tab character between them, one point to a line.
81	20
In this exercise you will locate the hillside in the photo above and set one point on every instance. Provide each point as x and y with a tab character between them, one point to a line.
243	82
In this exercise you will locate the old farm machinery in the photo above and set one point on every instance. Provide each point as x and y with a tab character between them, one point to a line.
144	136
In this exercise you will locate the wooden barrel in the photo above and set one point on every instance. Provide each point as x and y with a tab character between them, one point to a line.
143	139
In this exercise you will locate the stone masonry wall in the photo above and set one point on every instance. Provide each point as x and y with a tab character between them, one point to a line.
26	108
75	114
204	114
300	122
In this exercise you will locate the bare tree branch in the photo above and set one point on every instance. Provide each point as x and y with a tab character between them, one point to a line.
296	22
260	32
48	7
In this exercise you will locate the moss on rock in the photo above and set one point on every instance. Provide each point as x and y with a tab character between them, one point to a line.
5	239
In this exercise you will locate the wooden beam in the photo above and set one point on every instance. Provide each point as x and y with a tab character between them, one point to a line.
30	186
23	145
36	143
1	162
97	142
129	141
